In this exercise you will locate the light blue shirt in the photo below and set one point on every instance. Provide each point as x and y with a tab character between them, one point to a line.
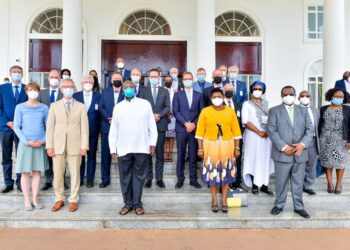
14	89
30	122
71	103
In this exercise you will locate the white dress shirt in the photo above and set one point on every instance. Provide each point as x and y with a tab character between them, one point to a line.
133	128
116	96
87	99
347	86
229	103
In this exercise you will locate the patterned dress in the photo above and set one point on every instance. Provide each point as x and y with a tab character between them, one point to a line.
334	153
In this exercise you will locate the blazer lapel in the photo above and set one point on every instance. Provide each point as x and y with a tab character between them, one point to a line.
62	109
73	110
10	93
93	101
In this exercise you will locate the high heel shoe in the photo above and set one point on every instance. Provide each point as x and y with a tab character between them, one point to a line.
224	209
215	208
338	191
330	190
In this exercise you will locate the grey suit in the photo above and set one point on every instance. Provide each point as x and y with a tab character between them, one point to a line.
282	132
161	107
44	97
313	151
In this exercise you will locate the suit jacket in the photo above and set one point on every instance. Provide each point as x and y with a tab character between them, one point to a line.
183	113
340	84
93	112
108	76
197	86
67	134
106	105
44	96
241	94
8	104
161	107
282	132
346	121
141	92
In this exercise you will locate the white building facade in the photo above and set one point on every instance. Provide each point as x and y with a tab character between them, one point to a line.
304	43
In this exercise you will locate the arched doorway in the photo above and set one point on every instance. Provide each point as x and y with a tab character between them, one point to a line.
239	42
314	81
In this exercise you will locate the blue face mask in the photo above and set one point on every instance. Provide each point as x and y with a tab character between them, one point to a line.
201	78
68	92
17	77
135	79
188	83
337	101
153	81
174	76
129	92
233	75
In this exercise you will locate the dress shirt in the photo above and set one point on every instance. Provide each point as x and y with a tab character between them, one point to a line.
87	99
14	88
116	96
133	128
220	85
312	117
234	83
347	86
71	102
55	93
290	111
229	103
189	94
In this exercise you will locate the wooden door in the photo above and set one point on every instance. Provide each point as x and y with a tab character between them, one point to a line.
44	55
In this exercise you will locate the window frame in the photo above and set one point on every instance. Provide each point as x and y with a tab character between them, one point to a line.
307	4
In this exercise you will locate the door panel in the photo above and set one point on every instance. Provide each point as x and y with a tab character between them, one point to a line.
44	55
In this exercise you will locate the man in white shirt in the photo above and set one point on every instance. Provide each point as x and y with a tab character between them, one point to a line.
177	84
132	138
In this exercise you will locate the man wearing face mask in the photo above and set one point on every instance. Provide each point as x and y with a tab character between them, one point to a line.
159	99
177	84
108	99
290	129
344	83
201	83
90	98
139	88
313	148
187	106
67	139
11	94
120	67
241	92
48	96
228	92
217	83
132	145
223	69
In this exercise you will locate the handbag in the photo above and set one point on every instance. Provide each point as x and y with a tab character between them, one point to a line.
237	198
319	169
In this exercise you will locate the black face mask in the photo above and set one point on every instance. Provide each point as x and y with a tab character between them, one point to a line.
168	84
229	93
217	79
117	83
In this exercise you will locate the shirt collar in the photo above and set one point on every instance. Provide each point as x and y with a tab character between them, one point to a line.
14	85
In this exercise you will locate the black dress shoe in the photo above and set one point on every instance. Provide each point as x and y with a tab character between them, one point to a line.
46	187
266	190
160	184
148	184
19	188
238	186
7	189
89	184
302	213
104	184
276	210
309	191
66	187
196	185
179	185
255	190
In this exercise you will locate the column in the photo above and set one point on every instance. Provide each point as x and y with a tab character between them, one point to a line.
72	44
333	42
4	41
206	36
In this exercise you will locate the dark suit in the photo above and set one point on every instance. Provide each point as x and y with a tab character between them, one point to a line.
183	113
44	97
7	135
108	76
241	93
94	130
340	84
106	106
141	91
161	107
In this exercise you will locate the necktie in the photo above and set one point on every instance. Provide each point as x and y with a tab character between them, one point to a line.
154	94
290	113
68	107
16	94
52	96
230	104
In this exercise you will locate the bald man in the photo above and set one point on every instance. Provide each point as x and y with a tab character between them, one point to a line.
48	96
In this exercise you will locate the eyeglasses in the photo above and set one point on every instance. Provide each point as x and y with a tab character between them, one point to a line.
308	96
288	95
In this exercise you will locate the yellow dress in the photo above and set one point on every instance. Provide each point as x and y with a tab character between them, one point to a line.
219	162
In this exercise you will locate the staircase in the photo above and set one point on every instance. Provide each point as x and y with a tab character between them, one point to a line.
174	209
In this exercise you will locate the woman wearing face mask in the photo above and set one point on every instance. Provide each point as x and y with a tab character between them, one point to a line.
334	131
258	164
65	74
218	136
96	87
29	126
170	134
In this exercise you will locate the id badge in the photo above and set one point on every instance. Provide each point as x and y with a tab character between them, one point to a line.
264	119
96	106
241	93
238	113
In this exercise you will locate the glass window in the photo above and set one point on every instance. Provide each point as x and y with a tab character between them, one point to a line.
235	24
49	22
144	22
315	22
315	83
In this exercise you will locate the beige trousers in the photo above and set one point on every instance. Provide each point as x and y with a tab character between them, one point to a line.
59	165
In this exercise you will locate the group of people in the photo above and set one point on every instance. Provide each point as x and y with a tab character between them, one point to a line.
236	139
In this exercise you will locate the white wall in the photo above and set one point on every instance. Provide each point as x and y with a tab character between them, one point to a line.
285	53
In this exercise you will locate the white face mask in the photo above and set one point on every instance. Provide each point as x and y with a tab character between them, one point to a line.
257	93
64	77
120	65
217	101
305	100
87	87
54	82
288	100
33	94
